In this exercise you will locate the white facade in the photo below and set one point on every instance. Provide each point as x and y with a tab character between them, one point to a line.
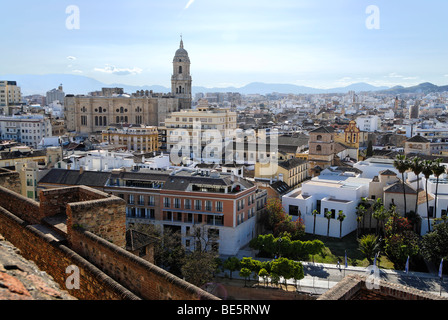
371	167
327	193
27	129
368	123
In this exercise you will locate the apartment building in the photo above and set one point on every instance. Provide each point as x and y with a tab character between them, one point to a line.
27	129
199	127
136	138
10	96
222	206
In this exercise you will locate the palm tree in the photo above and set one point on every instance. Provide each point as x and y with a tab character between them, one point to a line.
369	245
380	215
427	172
401	163
416	166
315	213
328	215
360	212
341	217
437	170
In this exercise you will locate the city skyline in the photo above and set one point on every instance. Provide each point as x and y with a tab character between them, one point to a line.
321	45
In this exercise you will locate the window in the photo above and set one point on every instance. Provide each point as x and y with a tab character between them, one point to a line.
187	204
208	205
176	203
180	69
166	202
141	200
219	206
318	148
131	199
151	201
197	204
294	210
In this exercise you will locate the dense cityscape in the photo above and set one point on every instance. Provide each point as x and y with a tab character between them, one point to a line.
263	193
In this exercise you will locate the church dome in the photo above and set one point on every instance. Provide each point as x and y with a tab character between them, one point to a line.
181	52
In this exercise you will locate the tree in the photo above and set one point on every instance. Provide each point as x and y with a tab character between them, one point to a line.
402	165
283	268
315	213
245	272
416	166
198	267
264	274
328	215
232	264
341	217
434	245
380	214
369	246
400	241
360	212
275	213
278	221
427	172
437	170
297	271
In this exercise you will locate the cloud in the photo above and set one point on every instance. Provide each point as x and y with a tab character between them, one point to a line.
71	58
77	71
119	71
395	75
190	2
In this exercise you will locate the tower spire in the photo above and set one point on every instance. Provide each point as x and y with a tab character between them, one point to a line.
181	42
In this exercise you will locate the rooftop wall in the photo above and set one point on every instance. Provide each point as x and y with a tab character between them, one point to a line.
94	242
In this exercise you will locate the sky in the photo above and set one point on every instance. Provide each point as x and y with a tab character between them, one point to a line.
315	43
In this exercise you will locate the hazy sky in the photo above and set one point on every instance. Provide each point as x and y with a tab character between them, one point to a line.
320	43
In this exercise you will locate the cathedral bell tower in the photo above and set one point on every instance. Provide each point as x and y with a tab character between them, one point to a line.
181	78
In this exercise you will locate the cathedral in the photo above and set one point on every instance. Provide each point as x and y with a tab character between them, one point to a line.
93	113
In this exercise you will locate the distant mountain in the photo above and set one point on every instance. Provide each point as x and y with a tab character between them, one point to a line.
266	88
78	84
425	88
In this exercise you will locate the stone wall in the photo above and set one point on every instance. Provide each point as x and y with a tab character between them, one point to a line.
10	180
145	279
54	258
353	287
94	243
23	207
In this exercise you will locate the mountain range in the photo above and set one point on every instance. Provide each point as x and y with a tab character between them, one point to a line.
78	84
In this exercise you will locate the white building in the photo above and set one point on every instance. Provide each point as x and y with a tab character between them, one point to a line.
10	96
56	95
27	129
368	123
332	191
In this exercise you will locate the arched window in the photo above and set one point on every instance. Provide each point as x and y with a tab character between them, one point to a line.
118	119
180	69
104	121
319	148
319	138
96	121
180	89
